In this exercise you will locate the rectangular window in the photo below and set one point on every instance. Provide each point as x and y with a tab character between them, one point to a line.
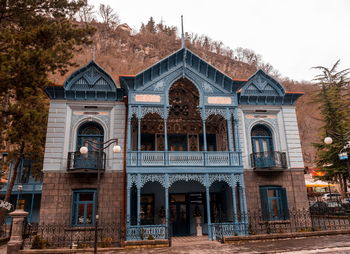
83	208
274	203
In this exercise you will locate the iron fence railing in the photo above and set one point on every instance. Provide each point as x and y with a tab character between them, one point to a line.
86	162
251	223
5	231
41	236
269	159
298	221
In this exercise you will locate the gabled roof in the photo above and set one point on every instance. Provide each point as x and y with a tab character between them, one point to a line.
90	77
90	82
183	58
261	88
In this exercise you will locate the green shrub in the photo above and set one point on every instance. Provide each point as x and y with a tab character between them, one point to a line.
83	245
106	242
39	243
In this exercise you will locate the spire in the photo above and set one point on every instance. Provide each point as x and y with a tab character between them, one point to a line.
182	33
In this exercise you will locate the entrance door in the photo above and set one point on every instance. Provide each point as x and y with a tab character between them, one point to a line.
179	216
262	147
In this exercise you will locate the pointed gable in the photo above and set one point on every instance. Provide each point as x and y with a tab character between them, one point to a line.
262	84
263	89
90	78
90	82
183	62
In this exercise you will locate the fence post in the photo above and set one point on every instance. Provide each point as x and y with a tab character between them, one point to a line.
16	240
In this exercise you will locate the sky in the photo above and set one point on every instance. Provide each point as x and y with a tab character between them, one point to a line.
291	35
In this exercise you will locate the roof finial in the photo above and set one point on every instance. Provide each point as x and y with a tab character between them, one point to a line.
93	51
182	33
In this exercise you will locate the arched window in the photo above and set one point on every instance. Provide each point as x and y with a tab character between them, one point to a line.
261	139
262	146
91	131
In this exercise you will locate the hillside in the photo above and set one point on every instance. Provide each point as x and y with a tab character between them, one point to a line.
121	51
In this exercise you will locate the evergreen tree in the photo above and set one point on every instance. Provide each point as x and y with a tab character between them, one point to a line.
332	99
37	37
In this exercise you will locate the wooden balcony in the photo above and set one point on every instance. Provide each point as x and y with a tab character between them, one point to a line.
183	158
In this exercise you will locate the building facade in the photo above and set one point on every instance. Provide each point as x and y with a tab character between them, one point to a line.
27	187
200	150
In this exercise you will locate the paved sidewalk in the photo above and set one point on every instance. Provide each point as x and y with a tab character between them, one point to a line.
339	244
307	245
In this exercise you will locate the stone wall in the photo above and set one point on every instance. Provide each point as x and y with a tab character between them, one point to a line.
293	181
56	201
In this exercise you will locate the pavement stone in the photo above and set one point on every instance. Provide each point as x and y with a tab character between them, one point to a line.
339	244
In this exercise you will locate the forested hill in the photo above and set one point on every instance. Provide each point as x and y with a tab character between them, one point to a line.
121	50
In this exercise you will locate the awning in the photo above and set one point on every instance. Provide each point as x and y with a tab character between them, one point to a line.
318	183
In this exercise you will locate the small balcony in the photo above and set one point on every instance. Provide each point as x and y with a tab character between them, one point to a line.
183	158
266	161
86	163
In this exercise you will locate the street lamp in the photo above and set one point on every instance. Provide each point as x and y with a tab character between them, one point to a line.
343	155
99	147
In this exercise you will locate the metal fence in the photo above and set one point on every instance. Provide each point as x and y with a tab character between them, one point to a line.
5	231
41	236
296	221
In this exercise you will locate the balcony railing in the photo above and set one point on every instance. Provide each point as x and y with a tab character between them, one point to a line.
268	160
187	158
90	162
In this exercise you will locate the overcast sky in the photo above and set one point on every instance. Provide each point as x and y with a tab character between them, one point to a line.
292	35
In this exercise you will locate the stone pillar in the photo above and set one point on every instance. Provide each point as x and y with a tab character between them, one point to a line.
15	243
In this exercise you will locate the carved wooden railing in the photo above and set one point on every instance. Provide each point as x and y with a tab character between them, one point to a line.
144	232
162	158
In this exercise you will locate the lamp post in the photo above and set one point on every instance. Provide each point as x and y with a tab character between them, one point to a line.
100	147
19	189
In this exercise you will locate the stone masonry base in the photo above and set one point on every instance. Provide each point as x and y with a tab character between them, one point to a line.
56	201
293	180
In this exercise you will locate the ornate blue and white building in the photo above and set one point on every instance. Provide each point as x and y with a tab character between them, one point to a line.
200	149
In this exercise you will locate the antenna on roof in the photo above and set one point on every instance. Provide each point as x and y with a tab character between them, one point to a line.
182	33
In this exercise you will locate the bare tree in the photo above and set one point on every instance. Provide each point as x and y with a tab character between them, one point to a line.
109	17
86	14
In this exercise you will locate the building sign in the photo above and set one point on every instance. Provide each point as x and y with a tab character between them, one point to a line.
147	98
343	156
220	100
5	205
